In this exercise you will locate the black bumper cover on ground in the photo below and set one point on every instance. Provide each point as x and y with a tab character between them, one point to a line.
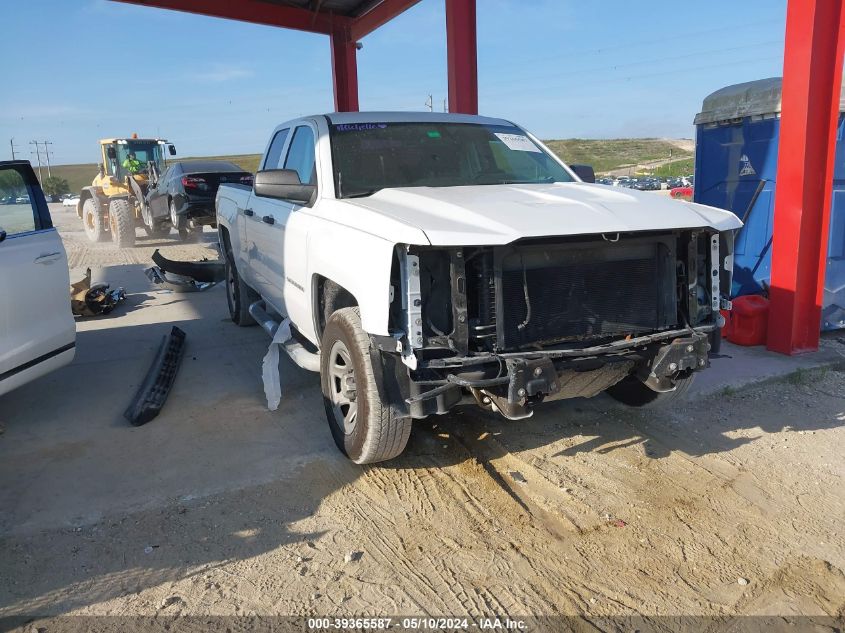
153	392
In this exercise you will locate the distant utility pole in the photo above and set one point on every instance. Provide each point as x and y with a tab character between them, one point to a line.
38	155
429	103
445	106
12	145
47	153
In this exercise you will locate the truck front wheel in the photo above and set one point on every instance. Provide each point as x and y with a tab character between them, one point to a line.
632	392
122	223
364	428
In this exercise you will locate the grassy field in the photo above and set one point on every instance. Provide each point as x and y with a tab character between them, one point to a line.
603	155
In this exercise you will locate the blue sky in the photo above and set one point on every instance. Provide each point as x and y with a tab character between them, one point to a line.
78	70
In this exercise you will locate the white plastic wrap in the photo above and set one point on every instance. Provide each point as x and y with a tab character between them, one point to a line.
270	366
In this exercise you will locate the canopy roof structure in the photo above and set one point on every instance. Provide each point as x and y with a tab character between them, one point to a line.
810	103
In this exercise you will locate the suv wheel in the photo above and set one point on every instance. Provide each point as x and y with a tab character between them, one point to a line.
632	392
364	428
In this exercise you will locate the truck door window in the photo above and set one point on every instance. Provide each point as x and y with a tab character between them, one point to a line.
301	155
274	154
18	211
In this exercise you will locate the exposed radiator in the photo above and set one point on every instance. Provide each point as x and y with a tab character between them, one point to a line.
606	290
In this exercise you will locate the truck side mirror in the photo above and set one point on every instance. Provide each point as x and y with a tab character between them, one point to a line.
111	152
283	184
172	150
584	172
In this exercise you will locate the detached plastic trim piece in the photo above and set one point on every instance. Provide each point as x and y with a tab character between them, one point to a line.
153	392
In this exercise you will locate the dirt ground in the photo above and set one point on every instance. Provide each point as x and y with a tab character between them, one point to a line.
731	505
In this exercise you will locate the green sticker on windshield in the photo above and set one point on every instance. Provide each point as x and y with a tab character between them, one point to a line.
434	134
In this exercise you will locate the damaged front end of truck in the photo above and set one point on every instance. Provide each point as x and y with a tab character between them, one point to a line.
508	327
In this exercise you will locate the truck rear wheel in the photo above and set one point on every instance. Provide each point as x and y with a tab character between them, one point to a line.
122	223
92	220
239	295
364	428
632	392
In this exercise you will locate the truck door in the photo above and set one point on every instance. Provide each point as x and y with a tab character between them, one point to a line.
276	246
255	237
37	330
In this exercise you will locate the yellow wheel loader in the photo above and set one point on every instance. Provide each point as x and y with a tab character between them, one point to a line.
115	203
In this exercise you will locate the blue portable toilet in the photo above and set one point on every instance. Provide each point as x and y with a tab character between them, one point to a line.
736	154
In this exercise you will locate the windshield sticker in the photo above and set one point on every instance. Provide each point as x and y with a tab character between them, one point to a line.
434	134
359	127
518	142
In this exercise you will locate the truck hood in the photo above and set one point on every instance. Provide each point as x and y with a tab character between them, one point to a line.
500	214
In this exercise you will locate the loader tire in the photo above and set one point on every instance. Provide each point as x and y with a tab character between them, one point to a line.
364	428
239	296
92	220
632	392
122	223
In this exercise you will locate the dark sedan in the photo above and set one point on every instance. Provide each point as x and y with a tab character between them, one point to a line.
185	192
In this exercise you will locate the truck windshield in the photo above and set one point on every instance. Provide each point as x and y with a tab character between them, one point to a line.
368	157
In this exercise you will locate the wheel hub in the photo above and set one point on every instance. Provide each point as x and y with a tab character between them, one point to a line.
343	387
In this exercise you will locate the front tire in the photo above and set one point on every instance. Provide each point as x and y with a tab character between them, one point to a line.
92	220
239	296
632	392
364	428
122	223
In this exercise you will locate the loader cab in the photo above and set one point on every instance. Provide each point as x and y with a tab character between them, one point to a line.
115	153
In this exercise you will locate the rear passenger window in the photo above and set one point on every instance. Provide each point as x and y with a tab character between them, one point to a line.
301	155
274	154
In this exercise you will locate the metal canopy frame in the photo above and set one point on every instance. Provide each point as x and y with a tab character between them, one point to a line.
812	75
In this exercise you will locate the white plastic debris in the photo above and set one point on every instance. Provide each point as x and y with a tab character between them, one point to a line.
270	366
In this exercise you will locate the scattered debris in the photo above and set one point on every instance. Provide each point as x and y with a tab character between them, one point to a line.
618	523
353	557
518	477
171	601
742	581
185	276
148	549
91	300
153	392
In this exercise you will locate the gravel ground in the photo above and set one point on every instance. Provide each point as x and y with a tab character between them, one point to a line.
727	506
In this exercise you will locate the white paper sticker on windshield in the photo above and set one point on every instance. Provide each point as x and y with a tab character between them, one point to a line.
518	142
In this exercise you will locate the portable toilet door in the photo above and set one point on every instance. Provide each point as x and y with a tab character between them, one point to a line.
736	150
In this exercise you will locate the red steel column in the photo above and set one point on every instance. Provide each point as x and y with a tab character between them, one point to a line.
461	52
812	74
344	71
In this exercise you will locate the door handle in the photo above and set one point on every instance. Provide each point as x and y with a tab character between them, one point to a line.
47	258
269	219
249	212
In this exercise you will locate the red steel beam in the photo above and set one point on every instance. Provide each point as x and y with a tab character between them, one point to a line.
812	74
254	11
380	15
344	71
461	56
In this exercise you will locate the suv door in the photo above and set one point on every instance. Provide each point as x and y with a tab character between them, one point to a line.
37	330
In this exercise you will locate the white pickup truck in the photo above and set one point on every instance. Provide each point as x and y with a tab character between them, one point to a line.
430	260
